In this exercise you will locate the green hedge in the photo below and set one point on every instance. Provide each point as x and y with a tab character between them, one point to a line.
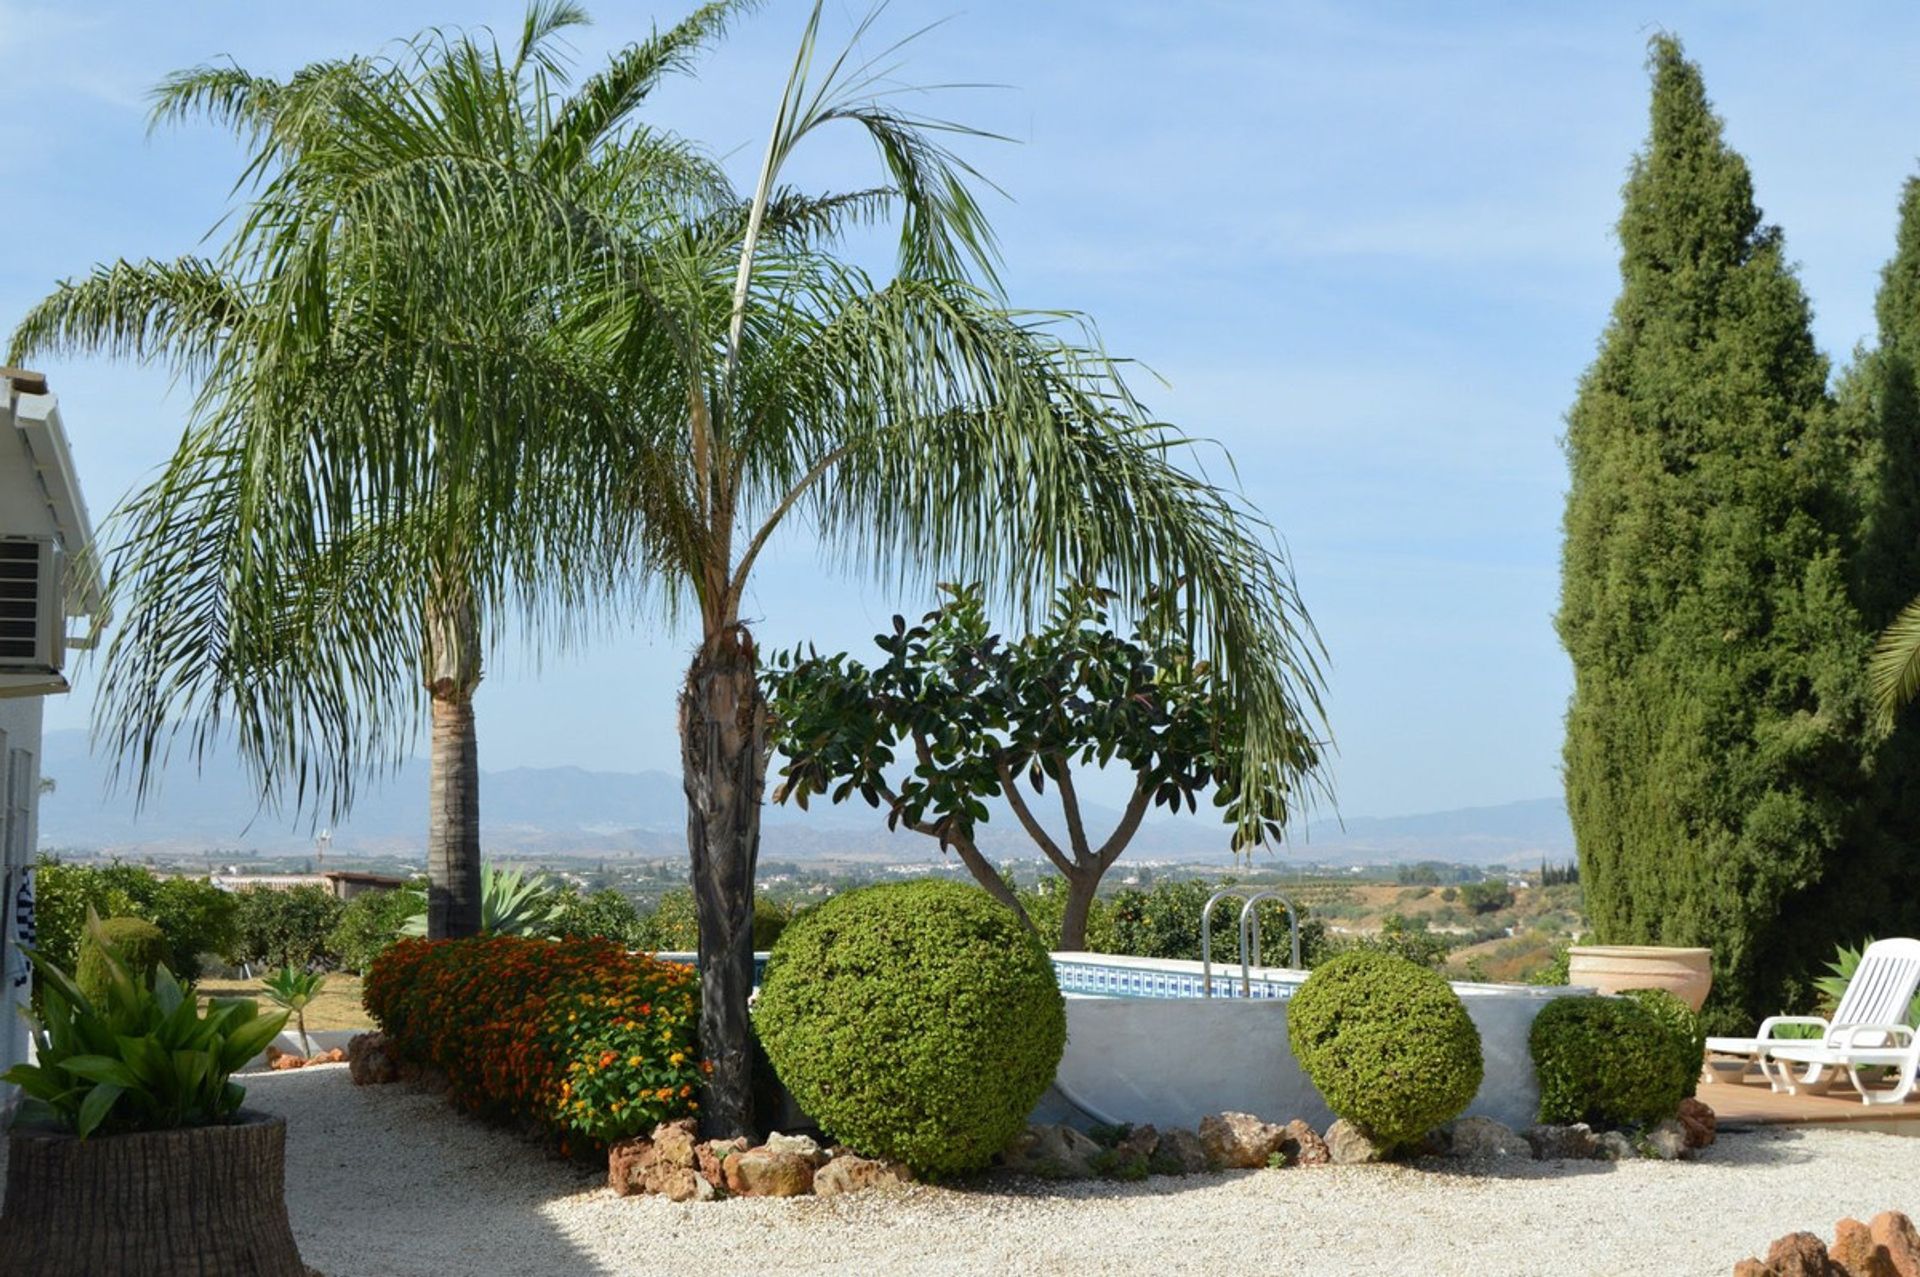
195	916
141	946
916	1021
1685	1033
1387	1043
1607	1062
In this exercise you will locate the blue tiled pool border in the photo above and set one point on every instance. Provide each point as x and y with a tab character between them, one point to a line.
1100	980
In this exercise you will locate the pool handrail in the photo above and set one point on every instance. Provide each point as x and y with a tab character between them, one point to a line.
1206	943
1250	919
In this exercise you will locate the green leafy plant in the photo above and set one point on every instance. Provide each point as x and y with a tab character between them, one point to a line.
371	921
139	1058
605	913
294	990
288	928
511	904
917	1021
956	714
138	944
196	916
1387	1043
1607	1062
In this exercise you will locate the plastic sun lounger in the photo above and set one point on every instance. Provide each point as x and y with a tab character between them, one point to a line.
1869	1022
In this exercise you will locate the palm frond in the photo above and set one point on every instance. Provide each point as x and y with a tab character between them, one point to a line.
1895	669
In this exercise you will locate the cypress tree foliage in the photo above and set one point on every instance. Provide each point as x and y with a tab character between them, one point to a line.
1715	741
1879	406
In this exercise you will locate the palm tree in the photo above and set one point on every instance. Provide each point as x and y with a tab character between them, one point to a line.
922	427
393	445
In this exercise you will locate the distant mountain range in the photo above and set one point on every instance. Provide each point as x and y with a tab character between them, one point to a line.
559	811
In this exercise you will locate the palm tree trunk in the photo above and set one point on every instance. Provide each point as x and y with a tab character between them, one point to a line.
453	785
723	754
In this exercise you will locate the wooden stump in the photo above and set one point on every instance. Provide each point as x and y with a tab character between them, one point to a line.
206	1200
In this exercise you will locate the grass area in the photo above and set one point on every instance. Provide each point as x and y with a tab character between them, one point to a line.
337	1007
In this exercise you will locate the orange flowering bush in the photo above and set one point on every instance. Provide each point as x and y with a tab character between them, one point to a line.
579	1036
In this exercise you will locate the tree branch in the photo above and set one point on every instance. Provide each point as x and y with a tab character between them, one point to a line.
1129	825
1070	804
1025	815
977	864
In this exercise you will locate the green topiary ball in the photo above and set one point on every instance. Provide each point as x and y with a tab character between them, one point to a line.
141	946
1684	1031
1387	1043
1605	1061
916	1021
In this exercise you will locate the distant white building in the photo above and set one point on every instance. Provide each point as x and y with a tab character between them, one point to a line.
50	601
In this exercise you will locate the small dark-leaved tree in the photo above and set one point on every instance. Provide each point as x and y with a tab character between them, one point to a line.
977	715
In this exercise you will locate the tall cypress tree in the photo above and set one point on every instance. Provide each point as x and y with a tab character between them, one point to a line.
1878	891
1715	741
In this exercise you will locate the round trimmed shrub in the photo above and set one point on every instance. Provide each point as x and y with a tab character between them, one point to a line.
1605	1061
916	1021
1387	1043
1684	1031
140	945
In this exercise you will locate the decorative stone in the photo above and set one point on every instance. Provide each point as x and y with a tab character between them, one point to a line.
1895	1233
799	1145
1178	1152
761	1172
1483	1139
1562	1143
1238	1141
673	1141
850	1174
709	1159
1141	1142
1800	1255
369	1063
280	1061
1668	1141
661	1163
1612	1146
1699	1122
1350	1146
1051	1152
1858	1254
1301	1145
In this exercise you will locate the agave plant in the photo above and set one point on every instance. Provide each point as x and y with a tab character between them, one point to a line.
294	990
1833	985
139	1059
511	904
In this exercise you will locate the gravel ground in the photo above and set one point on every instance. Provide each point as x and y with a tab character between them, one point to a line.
386	1180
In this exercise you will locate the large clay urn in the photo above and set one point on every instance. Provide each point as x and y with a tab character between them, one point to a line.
1613	968
205	1200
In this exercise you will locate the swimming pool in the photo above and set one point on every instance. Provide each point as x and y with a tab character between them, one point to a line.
1145	1045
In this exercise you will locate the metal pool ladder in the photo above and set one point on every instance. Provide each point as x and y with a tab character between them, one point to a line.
1249	935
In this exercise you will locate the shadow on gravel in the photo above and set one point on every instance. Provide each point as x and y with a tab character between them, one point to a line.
393	1180
1769	1146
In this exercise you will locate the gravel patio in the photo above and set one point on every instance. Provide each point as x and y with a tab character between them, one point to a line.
389	1180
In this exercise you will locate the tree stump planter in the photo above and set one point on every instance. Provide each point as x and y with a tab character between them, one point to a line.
205	1200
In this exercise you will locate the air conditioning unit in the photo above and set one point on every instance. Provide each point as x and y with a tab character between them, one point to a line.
33	624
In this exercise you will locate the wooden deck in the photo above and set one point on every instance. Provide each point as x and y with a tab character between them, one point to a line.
1751	1102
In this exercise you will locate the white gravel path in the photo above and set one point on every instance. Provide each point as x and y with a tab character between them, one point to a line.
389	1181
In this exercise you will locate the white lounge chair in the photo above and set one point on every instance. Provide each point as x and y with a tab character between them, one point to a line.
1868	1030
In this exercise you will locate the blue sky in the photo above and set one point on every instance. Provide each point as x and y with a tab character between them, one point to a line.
1367	247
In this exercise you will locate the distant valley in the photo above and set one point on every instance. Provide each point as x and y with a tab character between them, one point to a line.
563	811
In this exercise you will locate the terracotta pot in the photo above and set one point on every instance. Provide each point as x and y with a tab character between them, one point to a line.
203	1199
1611	968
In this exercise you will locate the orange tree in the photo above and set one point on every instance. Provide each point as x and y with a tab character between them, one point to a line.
979	716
